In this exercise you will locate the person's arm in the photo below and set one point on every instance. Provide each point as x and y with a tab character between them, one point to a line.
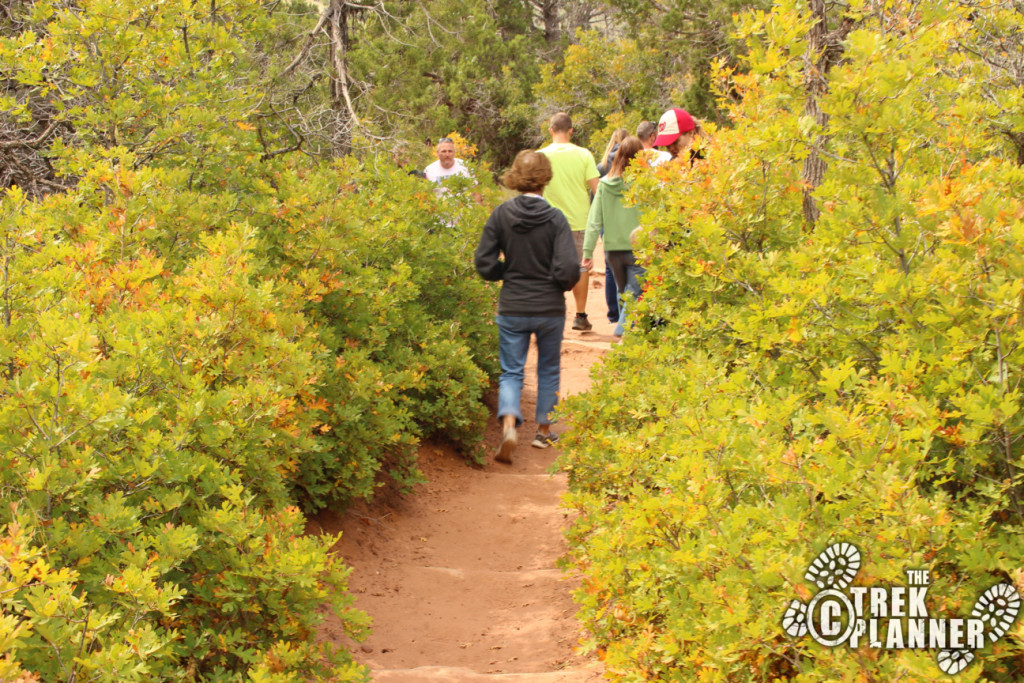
565	264
592	175
595	222
486	259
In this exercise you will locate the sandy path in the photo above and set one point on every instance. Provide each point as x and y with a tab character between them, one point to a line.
460	577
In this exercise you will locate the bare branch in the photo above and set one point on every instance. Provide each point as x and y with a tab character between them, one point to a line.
307	46
31	144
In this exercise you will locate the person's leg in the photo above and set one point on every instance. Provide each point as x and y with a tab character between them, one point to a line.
634	284
620	325
617	261
633	289
634	277
549	365
611	294
513	344
579	292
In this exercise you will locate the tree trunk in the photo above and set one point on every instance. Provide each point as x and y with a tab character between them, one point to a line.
341	101
549	18
824	51
816	85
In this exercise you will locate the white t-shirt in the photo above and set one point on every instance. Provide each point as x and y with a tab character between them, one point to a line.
434	172
660	157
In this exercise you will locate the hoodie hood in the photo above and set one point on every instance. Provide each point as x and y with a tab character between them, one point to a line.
528	213
614	186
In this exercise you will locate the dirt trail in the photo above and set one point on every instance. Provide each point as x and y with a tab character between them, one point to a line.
460	577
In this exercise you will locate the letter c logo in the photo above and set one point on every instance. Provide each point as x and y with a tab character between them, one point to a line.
827	609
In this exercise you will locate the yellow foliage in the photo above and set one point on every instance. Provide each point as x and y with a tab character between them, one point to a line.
464	149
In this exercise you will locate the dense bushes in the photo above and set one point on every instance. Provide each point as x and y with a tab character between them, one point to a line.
198	340
787	386
163	413
385	264
166	406
150	427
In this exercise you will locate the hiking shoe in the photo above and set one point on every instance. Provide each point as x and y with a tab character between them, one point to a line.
580	322
508	444
544	440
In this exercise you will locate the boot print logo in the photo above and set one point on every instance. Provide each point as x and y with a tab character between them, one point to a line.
894	617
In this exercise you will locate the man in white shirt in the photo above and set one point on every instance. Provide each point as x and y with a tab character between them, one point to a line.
647	132
446	164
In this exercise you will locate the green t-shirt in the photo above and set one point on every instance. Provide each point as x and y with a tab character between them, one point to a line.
571	167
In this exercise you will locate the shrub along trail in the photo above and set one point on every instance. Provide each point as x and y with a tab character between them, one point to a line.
460	577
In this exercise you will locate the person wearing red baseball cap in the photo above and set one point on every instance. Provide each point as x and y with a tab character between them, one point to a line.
676	131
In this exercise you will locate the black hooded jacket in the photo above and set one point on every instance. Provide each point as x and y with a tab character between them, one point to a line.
540	262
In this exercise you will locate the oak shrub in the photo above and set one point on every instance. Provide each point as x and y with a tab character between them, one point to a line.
785	387
198	342
165	414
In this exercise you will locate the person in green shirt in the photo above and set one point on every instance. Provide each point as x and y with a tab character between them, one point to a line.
617	220
575	178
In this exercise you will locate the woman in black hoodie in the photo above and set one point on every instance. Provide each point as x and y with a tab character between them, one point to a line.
527	245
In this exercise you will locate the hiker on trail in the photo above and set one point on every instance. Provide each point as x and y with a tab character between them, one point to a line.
676	131
575	178
647	132
540	264
611	296
610	214
617	137
446	164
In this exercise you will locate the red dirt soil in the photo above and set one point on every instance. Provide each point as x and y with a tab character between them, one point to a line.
460	577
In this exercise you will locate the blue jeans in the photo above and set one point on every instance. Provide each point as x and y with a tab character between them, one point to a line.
513	344
611	295
628	275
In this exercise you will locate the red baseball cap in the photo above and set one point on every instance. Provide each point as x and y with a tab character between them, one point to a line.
673	123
